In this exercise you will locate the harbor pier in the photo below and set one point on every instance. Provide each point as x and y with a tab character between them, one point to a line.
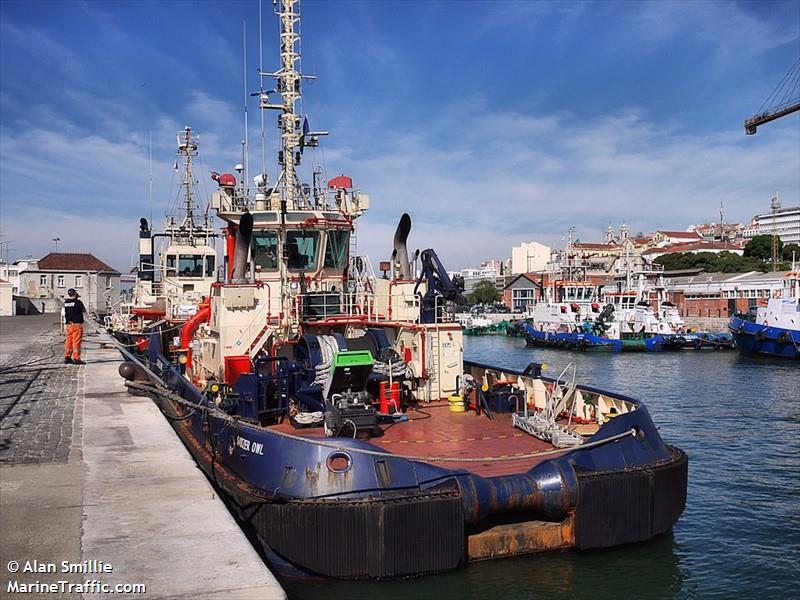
96	490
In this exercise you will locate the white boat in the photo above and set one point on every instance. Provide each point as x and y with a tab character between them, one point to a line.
775	328
177	265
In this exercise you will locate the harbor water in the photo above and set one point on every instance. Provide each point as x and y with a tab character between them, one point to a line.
739	421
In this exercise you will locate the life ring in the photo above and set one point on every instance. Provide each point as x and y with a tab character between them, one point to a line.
784	337
766	323
776	294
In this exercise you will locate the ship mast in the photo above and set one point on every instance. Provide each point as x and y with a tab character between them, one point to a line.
294	137
289	79
187	147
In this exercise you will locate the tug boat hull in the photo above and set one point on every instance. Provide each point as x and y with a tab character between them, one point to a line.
350	509
590	342
334	410
756	339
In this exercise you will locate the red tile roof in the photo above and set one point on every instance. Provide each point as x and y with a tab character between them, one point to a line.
681	234
70	261
693	247
592	246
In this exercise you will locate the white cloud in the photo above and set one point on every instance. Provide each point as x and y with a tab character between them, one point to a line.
501	179
476	178
493	187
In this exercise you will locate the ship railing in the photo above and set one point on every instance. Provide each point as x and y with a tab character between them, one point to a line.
360	305
442	311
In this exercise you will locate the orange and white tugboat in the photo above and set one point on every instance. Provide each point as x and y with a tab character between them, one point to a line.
335	411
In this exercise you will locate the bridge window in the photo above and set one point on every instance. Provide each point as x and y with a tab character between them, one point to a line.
265	250
190	265
171	262
209	266
336	249
302	250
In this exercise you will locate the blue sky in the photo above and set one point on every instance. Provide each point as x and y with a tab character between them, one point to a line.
492	123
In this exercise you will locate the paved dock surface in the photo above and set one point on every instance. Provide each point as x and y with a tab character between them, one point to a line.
89	472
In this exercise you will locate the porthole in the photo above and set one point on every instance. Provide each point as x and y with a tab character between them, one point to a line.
339	462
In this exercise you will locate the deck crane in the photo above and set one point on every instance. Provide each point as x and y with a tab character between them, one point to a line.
784	100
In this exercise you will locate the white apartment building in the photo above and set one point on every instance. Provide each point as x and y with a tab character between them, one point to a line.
784	221
529	257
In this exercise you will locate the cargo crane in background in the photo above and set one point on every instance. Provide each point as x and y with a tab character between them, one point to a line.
784	100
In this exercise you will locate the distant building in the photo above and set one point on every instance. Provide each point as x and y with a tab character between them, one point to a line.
693	248
490	270
495	264
722	294
784	221
718	232
663	237
43	283
529	257
522	292
10	272
586	259
6	298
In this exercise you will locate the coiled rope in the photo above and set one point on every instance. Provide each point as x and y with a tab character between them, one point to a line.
328	347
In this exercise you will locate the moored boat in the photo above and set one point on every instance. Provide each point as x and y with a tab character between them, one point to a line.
774	329
176	265
336	412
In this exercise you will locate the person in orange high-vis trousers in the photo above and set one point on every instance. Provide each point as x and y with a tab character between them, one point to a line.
73	317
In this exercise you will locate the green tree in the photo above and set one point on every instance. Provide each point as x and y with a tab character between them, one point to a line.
724	262
761	247
786	253
484	291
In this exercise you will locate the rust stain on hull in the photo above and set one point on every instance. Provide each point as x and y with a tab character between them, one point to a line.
528	537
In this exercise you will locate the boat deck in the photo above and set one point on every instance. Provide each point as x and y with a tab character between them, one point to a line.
435	431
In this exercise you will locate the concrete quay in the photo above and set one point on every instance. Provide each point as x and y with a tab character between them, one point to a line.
709	324
93	476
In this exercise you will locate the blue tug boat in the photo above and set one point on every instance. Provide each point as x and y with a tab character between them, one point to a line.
774	329
583	340
335	412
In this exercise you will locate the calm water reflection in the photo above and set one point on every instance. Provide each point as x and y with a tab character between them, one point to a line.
739	421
